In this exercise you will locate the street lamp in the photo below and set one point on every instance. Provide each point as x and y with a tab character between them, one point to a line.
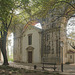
61	44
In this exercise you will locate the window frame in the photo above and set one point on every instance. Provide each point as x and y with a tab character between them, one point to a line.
29	39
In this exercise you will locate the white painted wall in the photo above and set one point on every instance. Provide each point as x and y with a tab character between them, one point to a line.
36	44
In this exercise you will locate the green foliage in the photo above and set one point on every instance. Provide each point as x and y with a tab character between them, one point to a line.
10	59
51	5
6	6
30	8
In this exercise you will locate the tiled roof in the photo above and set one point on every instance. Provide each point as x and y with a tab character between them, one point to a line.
33	23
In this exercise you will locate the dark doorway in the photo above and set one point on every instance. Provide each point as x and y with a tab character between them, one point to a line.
30	57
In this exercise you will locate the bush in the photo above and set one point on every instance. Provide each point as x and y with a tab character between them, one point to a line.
10	59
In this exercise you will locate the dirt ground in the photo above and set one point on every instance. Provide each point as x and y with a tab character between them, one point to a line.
6	70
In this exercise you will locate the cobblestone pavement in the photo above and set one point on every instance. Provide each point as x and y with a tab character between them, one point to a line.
68	69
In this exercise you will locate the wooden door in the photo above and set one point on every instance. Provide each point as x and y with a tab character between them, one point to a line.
30	57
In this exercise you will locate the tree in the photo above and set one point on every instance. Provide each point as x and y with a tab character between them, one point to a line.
6	14
7	11
51	5
71	40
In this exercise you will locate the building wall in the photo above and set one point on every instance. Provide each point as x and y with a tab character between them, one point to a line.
17	46
20	53
52	28
16	52
71	58
64	47
52	36
36	44
50	44
1	57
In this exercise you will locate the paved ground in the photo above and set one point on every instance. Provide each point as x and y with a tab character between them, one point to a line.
68	69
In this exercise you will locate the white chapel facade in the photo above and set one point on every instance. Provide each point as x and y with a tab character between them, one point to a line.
27	45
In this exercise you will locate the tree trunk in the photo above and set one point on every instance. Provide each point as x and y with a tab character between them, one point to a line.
3	48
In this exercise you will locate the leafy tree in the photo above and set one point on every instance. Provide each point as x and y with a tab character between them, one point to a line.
8	10
6	14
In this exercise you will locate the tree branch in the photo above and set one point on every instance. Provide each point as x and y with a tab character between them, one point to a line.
67	3
72	46
10	22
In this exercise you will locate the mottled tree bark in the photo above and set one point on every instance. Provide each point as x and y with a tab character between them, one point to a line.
5	27
3	47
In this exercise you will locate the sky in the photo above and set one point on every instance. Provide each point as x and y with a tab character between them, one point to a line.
10	45
71	26
11	38
38	25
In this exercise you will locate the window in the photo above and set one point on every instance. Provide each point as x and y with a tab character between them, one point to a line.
57	46
70	56
47	37
48	49
29	39
53	51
